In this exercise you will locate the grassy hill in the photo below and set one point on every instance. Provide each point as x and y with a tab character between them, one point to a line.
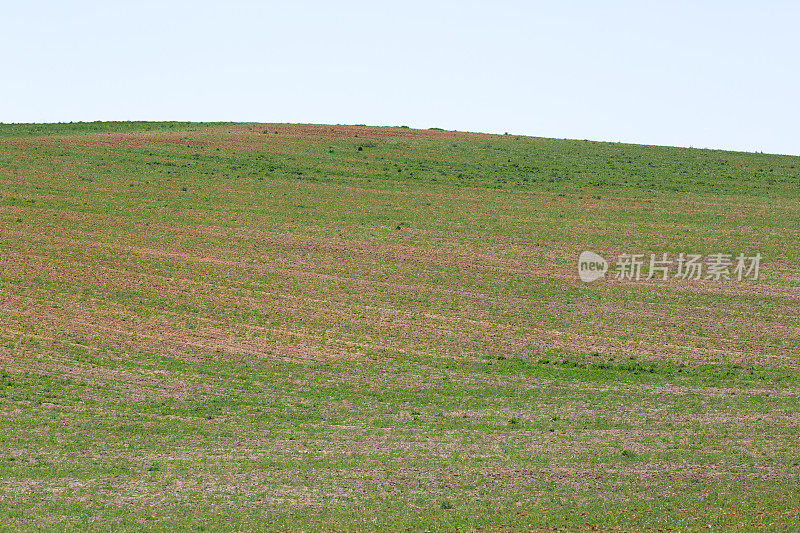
270	326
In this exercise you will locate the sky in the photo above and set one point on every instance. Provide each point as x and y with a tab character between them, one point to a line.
703	74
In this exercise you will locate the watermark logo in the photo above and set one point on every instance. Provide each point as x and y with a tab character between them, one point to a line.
591	266
693	267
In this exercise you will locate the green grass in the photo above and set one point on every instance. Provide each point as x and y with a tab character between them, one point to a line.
76	128
264	327
254	443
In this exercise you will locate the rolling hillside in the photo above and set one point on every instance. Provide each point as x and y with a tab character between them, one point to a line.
245	326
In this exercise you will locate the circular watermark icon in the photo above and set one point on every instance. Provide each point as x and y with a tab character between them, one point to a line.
591	266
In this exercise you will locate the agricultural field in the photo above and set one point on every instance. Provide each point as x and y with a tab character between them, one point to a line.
309	327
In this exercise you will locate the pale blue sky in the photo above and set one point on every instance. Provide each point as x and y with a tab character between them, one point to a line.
703	74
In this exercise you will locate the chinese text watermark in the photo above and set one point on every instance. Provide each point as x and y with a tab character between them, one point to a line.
635	267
